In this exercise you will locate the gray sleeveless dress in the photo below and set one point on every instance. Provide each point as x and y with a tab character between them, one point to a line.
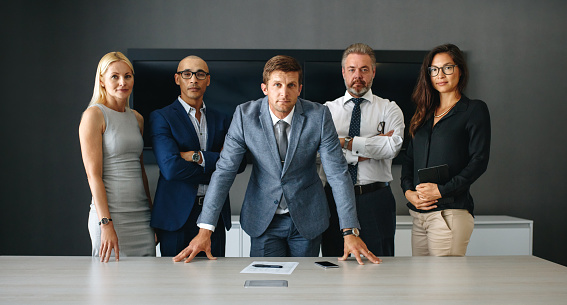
122	145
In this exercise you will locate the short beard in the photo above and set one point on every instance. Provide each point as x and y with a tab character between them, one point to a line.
362	91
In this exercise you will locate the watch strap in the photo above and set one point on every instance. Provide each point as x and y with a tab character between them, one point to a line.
350	232
104	220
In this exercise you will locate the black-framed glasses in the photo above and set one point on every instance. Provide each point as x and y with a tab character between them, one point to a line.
447	70
187	74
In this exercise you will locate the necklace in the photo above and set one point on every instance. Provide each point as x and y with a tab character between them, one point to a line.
444	113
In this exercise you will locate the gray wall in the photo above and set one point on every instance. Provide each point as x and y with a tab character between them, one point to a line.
50	50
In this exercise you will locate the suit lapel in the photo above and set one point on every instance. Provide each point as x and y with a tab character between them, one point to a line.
211	121
268	129
184	117
296	127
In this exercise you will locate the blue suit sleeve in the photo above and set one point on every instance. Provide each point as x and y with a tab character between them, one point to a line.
230	162
168	157
336	168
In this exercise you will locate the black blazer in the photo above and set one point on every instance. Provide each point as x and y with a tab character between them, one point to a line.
461	139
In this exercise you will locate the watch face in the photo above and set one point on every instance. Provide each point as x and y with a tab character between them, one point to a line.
347	139
104	221
196	157
355	232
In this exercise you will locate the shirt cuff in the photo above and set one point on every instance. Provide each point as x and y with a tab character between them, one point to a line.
202	157
350	158
206	226
358	145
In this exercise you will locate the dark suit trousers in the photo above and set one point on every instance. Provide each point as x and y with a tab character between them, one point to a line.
281	239
377	216
172	242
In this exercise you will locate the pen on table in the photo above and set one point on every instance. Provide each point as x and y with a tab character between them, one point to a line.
267	266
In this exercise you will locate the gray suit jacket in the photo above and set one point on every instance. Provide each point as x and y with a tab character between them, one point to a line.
251	133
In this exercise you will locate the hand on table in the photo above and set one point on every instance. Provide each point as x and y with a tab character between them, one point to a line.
356	246
201	242
108	242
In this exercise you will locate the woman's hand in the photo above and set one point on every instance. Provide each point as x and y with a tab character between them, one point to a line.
428	191
108	242
422	204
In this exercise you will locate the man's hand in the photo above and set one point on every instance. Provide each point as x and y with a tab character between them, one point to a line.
187	155
388	134
201	242
356	246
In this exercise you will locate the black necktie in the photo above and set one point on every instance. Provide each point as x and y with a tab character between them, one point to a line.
354	131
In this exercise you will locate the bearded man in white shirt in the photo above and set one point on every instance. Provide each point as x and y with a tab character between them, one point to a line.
371	132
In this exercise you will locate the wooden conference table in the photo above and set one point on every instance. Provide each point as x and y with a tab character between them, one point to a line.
399	280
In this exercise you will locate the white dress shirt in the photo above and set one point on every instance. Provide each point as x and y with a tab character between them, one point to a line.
202	133
380	149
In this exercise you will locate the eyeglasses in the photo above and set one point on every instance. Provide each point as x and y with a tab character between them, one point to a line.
447	70
187	74
381	127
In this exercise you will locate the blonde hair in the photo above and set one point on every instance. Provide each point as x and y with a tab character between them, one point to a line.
99	93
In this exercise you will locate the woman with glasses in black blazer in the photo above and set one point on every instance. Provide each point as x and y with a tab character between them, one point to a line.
447	128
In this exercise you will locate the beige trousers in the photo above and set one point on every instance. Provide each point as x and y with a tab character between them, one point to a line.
441	233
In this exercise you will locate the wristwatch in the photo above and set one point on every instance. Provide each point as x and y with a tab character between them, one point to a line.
104	221
196	157
353	231
347	139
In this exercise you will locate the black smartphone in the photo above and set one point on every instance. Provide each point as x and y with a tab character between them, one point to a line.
326	264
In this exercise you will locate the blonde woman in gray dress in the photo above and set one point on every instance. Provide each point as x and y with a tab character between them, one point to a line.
111	145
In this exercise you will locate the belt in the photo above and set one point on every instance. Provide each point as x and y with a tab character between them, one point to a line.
199	200
367	188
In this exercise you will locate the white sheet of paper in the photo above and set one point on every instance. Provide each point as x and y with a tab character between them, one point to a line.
287	267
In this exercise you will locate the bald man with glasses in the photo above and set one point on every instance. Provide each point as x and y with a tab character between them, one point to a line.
187	139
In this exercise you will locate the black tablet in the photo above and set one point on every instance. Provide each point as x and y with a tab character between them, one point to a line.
436	174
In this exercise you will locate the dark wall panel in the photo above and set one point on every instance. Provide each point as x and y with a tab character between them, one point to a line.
51	48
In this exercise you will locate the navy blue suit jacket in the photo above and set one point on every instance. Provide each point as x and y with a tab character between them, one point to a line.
172	132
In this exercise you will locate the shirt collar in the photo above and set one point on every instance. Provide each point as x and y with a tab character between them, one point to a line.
367	96
188	108
287	119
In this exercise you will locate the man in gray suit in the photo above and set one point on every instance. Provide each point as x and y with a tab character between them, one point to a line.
285	210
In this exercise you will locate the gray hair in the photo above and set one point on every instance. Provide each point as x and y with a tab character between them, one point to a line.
359	48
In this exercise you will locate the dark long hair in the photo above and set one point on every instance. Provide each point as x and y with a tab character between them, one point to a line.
425	97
